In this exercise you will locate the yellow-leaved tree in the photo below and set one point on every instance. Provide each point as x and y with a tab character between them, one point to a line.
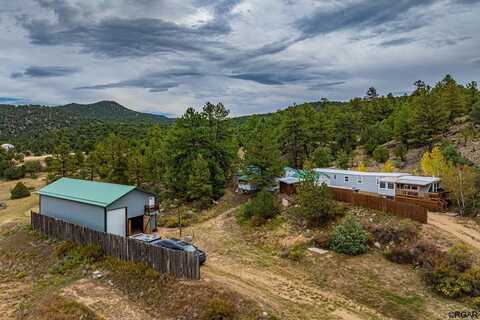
388	166
461	183
433	163
361	167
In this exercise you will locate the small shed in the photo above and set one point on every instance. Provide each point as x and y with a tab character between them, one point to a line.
113	208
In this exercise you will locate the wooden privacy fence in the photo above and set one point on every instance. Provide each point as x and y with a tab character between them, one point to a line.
182	265
401	209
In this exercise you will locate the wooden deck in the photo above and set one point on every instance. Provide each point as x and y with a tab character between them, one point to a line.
433	201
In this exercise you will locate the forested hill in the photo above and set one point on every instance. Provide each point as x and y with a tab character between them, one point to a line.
19	120
20	124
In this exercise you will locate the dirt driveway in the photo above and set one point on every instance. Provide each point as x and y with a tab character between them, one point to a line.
269	280
463	229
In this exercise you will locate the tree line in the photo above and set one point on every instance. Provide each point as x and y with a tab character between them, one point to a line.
194	158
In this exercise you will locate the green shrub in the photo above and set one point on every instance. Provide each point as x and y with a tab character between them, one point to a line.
297	252
401	253
19	191
453	276
64	248
381	154
219	309
349	237
315	204
260	208
92	253
401	151
14	173
460	258
72	256
404	231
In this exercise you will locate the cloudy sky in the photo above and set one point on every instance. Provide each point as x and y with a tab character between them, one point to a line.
253	55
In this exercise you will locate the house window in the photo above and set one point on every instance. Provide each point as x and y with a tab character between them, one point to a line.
346	178
359	180
382	184
335	177
390	185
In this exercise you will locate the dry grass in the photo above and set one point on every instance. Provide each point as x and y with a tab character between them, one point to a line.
368	286
17	211
55	307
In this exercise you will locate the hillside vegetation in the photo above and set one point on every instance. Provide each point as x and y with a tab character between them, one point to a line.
38	128
194	158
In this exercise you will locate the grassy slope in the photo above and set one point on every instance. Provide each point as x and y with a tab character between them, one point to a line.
36	284
319	286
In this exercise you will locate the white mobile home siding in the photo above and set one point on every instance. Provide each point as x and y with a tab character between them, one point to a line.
360	182
83	214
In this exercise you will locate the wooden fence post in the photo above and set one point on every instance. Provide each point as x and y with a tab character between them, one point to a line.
182	265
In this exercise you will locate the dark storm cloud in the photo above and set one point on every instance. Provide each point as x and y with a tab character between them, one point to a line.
324	85
45	72
476	61
154	82
397	42
118	37
366	14
280	72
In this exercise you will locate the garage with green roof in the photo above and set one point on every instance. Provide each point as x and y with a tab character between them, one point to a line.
113	208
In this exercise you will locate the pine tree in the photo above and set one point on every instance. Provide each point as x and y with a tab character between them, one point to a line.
428	117
321	157
263	154
294	136
475	114
207	133
450	96
62	160
199	186
136	166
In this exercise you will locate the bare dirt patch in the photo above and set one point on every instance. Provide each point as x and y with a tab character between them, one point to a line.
463	229
326	286
106	301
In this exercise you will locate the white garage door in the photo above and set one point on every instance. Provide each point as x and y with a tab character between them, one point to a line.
116	223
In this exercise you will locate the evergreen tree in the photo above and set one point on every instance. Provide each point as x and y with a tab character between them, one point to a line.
199	186
294	136
19	191
315	203
112	157
155	156
402	127
207	133
321	157
263	154
449	95
475	113
136	166
428	117
472	94
63	161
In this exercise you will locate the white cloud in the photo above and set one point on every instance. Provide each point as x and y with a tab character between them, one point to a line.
253	55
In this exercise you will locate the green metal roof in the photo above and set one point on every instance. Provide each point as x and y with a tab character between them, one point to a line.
91	192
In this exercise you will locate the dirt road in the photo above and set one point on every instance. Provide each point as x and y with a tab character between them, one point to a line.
463	229
268	279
